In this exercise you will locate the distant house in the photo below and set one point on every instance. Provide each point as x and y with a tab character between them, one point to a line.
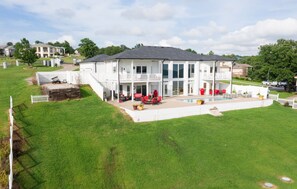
239	70
7	50
46	50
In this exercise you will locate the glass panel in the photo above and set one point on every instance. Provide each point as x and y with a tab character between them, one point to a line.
191	70
144	69
210	69
175	70
174	89
181	87
166	89
165	70
128	90
181	71
121	89
138	69
143	88
138	89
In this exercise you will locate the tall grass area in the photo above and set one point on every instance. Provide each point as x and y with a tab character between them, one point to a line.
13	83
88	143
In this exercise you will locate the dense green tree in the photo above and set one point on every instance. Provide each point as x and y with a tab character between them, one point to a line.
88	48
9	43
191	50
111	50
280	60
25	52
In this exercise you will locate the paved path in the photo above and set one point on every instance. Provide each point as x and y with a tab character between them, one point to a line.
67	67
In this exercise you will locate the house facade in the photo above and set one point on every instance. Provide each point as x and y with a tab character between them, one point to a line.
45	50
7	50
170	71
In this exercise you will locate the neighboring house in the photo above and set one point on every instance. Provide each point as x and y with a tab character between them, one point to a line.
46	50
239	70
171	71
7	50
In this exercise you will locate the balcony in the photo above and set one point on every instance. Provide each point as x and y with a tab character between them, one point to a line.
218	76
140	77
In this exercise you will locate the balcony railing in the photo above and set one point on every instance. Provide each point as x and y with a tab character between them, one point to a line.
218	76
140	77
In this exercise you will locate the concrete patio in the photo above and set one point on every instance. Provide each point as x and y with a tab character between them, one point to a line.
173	107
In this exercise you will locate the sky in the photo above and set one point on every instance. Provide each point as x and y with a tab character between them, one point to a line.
222	26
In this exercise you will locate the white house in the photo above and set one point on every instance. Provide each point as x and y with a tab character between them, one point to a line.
46	50
169	70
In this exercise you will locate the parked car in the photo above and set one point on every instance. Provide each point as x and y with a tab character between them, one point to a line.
282	83
265	83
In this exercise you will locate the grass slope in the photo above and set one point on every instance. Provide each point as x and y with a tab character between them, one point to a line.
88	143
12	83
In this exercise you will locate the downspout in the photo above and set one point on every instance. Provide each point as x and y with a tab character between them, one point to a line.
214	78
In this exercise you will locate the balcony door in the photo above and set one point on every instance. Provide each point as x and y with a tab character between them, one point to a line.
165	89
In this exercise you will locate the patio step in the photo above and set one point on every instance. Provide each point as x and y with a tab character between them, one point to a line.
215	112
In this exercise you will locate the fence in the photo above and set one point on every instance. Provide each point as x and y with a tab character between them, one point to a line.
274	96
39	98
10	177
283	101
253	91
73	77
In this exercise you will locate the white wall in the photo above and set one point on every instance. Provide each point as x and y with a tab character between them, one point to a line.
170	113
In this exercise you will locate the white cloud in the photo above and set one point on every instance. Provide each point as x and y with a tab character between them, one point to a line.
67	38
202	31
159	11
174	42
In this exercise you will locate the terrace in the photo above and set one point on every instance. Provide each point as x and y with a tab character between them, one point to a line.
176	107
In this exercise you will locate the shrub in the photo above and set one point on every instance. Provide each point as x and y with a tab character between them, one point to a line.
286	104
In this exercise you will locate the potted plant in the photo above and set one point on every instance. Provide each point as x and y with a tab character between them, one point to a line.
135	106
261	97
200	102
140	107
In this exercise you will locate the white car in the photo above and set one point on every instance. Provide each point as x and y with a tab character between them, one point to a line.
265	83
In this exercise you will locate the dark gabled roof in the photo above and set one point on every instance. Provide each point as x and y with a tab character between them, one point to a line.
98	58
165	53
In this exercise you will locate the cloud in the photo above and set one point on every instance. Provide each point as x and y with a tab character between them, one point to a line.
63	38
202	31
159	11
174	42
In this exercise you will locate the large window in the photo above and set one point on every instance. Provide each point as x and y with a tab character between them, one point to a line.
165	70
178	71
175	70
178	88
191	70
211	69
141	69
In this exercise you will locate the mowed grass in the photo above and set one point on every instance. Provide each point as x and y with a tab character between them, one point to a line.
88	143
13	83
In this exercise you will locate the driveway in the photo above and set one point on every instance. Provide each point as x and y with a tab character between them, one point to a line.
67	67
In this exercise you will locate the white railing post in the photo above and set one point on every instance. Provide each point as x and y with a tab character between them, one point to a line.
10	177
277	96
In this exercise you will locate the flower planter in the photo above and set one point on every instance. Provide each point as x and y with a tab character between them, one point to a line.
135	107
200	102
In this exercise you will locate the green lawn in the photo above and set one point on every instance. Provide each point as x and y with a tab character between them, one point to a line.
12	83
69	59
283	94
88	143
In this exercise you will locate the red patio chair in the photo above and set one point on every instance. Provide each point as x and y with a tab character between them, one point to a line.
224	91
217	92
155	100
159	99
155	93
210	91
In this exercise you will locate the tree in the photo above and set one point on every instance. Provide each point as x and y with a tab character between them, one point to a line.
38	42
111	50
210	53
68	48
280	61
88	48
191	50
24	52
138	45
9	43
